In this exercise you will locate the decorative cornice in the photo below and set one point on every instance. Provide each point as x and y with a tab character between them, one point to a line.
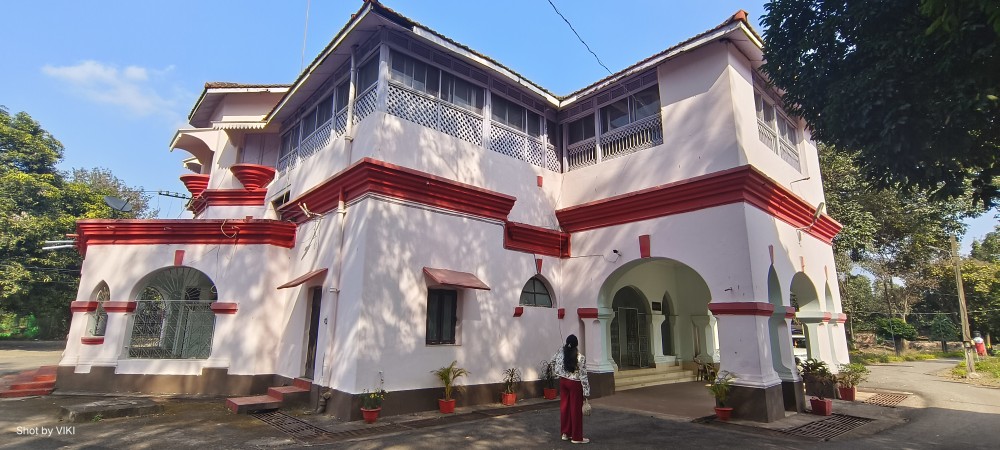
195	183
224	308
374	176
83	306
740	184
527	238
741	309
587	313
229	197
120	307
252	176
92	340
183	231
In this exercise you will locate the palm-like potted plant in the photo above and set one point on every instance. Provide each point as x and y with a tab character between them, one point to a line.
447	375
548	371
848	379
819	382
720	388
511	380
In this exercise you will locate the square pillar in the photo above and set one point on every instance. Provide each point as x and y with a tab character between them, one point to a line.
745	351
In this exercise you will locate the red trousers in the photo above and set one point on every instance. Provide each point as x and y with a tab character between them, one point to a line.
571	408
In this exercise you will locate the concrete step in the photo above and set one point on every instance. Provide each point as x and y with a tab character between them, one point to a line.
254	403
46	377
11	393
32	385
288	393
302	383
626	387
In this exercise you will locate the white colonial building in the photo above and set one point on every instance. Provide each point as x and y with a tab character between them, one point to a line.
408	202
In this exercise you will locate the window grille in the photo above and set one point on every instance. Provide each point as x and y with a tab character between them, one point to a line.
776	132
535	293
513	143
639	135
365	104
552	158
318	140
434	113
581	154
173	318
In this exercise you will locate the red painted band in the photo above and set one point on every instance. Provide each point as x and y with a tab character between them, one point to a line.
561	312
644	246
532	239
741	309
179	258
123	307
228	197
224	308
518	310
789	312
83	306
184	231
92	340
587	313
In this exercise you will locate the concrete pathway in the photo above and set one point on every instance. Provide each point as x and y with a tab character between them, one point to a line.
16	356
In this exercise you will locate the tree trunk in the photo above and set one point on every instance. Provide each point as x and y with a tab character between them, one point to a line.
944	346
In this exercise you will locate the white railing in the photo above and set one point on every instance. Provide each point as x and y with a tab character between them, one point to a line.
434	113
317	140
288	161
552	158
341	122
365	103
638	135
514	143
786	150
581	154
767	136
790	154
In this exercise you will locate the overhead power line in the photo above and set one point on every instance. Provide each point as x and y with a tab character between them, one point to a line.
580	38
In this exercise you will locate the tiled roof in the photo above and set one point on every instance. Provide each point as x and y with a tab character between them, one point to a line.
229	84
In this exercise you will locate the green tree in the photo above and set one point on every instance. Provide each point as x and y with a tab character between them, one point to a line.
989	248
38	203
914	91
943	329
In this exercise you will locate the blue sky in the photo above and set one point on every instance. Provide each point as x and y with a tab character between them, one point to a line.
114	79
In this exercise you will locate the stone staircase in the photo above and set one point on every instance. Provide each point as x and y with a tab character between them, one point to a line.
40	381
275	398
662	374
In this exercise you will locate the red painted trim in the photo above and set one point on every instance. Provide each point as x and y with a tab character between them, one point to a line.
178	257
841	318
252	176
303	278
538	266
228	197
741	184
378	177
741	309
644	246
789	312
528	238
92	340
561	312
195	183
224	308
587	313
518	310
540	179
123	307
83	306
183	231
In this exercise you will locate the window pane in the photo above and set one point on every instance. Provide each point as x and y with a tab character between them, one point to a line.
543	300
535	293
309	123
498	108
433	317
534	124
396	67
324	110
448	319
768	113
462	93
759	104
367	74
342	92
581	129
646	102
614	115
552	133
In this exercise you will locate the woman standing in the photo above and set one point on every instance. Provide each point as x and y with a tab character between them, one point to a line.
571	367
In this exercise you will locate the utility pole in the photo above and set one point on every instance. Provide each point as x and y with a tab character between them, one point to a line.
966	336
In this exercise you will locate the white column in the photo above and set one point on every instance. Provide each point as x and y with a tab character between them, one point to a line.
597	345
383	77
781	343
838	339
745	345
817	336
659	356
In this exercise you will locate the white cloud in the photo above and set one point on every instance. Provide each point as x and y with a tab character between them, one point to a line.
133	88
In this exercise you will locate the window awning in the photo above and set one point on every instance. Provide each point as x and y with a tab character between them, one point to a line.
304	278
455	278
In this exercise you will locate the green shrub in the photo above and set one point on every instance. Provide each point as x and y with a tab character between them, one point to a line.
894	328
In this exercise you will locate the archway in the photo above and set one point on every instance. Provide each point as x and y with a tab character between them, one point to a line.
809	313
173	317
630	330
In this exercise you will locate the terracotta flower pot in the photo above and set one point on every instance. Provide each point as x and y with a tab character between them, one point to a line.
370	415
252	176
848	394
508	399
446	406
723	414
821	406
549	394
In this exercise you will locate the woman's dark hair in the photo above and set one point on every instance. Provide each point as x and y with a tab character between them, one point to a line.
570	353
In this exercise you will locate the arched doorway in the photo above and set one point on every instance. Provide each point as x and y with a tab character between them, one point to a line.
173	318
630	330
809	313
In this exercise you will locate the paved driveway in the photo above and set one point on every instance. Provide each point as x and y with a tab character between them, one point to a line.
16	356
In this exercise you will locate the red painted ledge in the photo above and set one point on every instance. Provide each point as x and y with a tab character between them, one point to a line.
83	306
741	309
224	308
561	313
92	340
184	231
789	312
841	318
229	197
542	241
587	313
518	310
120	307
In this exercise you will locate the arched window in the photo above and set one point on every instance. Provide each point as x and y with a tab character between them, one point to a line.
173	317
99	318
535	294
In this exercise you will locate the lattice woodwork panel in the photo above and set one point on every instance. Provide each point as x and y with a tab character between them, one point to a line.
365	104
318	140
412	107
341	123
534	151
506	142
640	135
288	161
461	124
552	159
582	154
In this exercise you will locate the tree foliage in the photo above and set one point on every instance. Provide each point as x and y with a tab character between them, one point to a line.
912	87
39	203
943	329
895	329
988	249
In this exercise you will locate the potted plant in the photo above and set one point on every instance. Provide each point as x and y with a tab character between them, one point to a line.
819	382
447	375
371	404
850	376
548	371
720	388
511	379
